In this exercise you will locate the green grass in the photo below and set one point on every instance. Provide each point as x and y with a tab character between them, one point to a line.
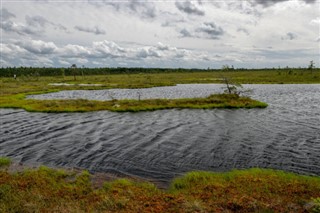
4	162
253	190
213	101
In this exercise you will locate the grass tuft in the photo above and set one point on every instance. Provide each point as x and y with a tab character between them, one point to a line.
253	190
4	162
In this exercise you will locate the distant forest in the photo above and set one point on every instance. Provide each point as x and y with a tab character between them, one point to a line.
70	71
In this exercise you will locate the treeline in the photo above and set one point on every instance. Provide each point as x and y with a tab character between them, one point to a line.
44	71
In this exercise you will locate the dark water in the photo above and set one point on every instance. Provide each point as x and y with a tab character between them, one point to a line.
163	144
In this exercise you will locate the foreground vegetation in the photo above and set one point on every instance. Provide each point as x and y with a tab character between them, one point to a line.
253	190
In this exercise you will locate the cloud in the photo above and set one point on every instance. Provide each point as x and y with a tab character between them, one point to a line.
74	51
208	30
37	21
267	3
289	36
146	52
315	21
108	49
143	9
5	14
189	8
35	25
211	29
10	26
95	30
98	51
41	22
185	33
38	46
146	9
243	30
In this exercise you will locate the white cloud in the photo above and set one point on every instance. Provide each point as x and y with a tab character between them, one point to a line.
315	21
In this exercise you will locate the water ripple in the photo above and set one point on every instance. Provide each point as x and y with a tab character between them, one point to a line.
163	144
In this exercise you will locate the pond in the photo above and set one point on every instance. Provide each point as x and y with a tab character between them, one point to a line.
163	144
169	92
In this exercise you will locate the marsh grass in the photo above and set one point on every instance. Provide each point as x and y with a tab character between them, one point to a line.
4	162
253	190
80	105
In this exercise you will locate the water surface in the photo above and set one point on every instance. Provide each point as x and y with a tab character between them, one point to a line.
163	144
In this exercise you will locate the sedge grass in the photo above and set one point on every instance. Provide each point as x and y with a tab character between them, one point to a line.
252	190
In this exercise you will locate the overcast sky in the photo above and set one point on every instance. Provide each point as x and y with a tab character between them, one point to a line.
166	33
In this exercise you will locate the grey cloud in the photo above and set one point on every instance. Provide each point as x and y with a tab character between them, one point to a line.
101	52
208	30
35	25
146	9
211	29
189	8
289	36
142	9
111	50
10	26
41	22
95	30
185	33
244	30
36	21
267	3
171	19
38	46
5	14
147	52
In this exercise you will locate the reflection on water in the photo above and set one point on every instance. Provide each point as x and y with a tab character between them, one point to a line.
166	143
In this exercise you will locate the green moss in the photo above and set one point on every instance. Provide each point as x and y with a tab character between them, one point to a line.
253	190
4	162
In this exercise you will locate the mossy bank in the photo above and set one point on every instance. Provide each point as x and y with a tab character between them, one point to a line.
253	190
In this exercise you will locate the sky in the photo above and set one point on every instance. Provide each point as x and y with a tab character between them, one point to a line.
160	33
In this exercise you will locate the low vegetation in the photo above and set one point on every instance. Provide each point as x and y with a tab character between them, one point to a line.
253	190
213	101
4	162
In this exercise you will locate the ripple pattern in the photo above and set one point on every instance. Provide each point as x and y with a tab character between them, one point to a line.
162	144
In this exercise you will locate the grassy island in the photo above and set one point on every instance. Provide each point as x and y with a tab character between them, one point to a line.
254	190
213	101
